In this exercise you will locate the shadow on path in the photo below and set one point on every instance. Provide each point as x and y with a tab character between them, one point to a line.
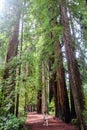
35	122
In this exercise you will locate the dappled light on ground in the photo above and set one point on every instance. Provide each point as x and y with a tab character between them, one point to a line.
35	122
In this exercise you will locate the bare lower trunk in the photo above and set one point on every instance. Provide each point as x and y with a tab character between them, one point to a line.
51	82
53	86
44	94
56	100
73	113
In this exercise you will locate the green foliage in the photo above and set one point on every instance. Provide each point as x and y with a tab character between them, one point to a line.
84	114
74	121
51	107
12	123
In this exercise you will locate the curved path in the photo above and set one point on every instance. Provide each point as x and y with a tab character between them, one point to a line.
35	122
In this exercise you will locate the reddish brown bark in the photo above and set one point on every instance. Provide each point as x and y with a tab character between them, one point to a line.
44	89
72	65
51	82
56	99
64	110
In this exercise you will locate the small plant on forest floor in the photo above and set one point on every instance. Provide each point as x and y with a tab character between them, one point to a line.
74	122
51	108
85	117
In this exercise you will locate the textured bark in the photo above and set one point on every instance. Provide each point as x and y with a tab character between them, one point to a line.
64	110
73	113
56	99
44	94
51	82
62	96
72	65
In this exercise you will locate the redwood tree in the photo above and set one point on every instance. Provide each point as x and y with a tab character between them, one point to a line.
72	64
64	110
10	70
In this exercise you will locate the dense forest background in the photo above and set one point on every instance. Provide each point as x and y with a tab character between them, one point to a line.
43	60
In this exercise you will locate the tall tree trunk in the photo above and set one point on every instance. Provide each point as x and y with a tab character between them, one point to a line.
62	96
44	94
72	64
64	110
53	86
19	73
51	82
27	71
10	70
55	89
73	113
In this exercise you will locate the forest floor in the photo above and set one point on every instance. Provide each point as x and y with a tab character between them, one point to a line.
35	122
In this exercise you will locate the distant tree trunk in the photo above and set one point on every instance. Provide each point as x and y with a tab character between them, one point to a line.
55	89
25	107
44	94
39	102
72	64
27	72
64	110
50	90
51	82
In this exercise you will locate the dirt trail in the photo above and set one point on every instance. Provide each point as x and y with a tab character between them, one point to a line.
35	122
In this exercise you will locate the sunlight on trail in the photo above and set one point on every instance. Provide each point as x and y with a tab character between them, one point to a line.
35	122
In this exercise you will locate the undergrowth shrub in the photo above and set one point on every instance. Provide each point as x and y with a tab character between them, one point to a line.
11	122
51	107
